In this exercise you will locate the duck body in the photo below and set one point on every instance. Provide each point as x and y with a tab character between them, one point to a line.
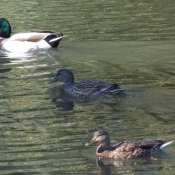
128	149
84	89
26	41
18	46
90	88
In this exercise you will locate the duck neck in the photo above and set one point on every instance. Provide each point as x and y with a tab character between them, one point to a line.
68	79
5	28
103	146
1	41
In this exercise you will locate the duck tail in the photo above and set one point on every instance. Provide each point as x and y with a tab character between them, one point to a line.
53	40
164	145
115	89
60	36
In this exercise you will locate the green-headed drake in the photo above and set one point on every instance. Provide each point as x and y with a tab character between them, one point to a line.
127	149
84	89
26	41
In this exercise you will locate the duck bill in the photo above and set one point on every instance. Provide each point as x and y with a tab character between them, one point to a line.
90	143
53	80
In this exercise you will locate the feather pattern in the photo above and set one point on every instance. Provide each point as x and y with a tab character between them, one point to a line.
127	149
25	42
84	89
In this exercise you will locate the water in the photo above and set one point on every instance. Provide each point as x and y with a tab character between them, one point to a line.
126	42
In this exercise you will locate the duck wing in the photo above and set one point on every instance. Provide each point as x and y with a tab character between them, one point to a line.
83	89
33	36
154	144
108	87
90	88
132	148
101	86
143	144
95	85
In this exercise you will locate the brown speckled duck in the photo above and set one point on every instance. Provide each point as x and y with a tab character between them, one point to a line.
84	89
127	149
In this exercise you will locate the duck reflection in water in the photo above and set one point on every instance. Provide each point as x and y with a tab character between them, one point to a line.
85	90
130	165
61	99
106	164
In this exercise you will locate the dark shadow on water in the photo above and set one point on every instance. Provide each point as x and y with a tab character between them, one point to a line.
5	70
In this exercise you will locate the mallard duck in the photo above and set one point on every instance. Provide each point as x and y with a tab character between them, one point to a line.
127	149
84	89
26	41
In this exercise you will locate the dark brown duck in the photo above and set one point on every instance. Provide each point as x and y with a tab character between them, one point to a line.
84	89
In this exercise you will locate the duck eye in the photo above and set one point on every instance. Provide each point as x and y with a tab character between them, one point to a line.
100	134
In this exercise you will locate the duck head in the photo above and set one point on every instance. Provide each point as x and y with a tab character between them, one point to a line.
64	75
100	137
5	28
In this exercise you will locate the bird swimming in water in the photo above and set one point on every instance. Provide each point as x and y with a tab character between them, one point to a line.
26	42
84	89
126	149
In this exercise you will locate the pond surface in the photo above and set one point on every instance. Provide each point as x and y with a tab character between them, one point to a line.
126	42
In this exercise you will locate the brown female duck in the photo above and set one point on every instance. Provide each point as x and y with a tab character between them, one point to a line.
127	149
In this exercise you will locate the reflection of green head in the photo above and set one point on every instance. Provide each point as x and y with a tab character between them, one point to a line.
5	28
